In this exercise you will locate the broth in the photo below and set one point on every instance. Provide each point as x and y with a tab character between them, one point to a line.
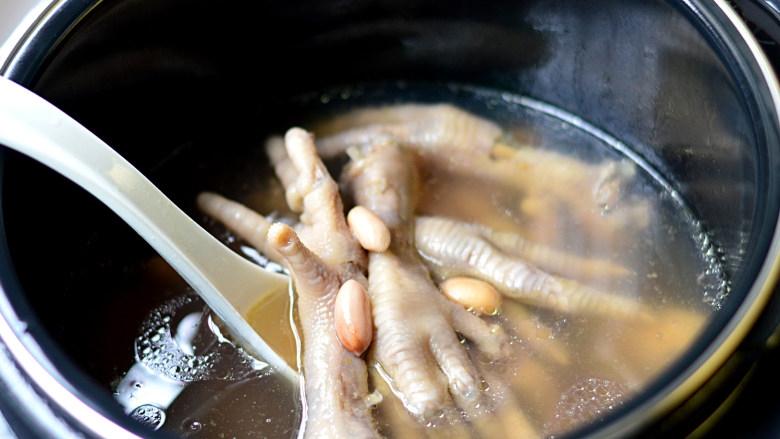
573	369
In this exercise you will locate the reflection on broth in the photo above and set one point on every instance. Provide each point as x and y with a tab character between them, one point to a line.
271	315
617	281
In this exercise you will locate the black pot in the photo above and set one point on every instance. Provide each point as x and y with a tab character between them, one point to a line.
684	85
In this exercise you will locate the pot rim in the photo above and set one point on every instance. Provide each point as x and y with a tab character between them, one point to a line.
50	21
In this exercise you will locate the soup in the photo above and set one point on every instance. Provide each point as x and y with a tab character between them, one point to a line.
625	240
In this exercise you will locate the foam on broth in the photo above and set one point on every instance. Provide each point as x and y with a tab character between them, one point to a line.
575	369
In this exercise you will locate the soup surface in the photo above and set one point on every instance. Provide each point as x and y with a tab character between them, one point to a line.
586	209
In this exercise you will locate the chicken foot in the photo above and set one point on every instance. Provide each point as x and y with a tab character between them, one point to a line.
321	255
416	341
427	127
452	248
547	258
459	144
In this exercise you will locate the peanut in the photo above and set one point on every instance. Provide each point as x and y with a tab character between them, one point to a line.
370	231
352	317
473	294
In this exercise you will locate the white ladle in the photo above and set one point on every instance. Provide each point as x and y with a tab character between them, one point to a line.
228	283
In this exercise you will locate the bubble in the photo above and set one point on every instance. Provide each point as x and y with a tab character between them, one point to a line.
167	355
149	415
586	401
191	426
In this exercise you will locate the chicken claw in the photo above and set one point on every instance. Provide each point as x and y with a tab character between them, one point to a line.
321	254
453	248
416	341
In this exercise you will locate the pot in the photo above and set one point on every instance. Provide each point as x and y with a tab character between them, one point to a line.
684	87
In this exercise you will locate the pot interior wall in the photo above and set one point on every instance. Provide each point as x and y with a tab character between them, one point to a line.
159	80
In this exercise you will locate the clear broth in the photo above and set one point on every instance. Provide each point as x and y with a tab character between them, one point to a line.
576	369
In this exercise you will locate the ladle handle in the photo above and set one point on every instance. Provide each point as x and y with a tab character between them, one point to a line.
34	127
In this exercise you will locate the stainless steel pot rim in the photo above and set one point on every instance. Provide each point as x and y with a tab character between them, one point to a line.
44	26
35	363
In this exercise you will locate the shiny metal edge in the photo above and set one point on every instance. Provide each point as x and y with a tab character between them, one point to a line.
34	28
21	31
24	33
26	402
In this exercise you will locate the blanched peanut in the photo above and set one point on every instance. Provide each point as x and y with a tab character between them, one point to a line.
369	229
352	317
474	294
